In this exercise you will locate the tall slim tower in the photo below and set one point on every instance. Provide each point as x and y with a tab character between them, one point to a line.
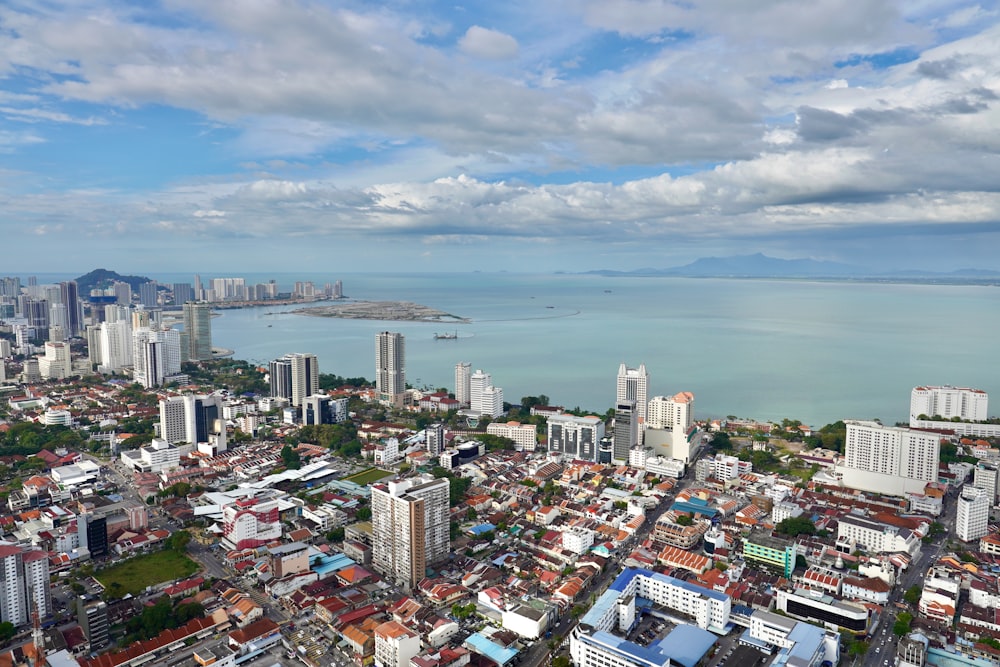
626	431
390	360
74	308
463	388
198	325
410	527
305	377
632	386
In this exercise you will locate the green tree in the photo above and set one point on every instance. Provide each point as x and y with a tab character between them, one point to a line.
290	458
857	647
796	525
684	520
912	594
902	624
561	661
7	631
364	513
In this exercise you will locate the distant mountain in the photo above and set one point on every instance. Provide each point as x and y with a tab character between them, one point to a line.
762	266
101	278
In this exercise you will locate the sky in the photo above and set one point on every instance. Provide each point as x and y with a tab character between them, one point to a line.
562	135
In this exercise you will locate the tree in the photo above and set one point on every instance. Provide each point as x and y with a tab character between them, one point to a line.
796	525
290	458
684	520
363	514
561	661
902	624
178	541
7	631
912	594
857	647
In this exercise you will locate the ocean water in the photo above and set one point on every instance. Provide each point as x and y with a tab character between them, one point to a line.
814	351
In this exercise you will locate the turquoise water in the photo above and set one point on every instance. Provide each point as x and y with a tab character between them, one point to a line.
815	351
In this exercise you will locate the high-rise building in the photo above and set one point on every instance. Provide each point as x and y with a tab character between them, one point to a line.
669	412
316	410
633	383
193	419
198	325
148	295
56	364
485	399
295	377
973	514
575	437
116	344
93	619
390	363
626	430
410	527
463	388
123	293
70	296
889	459
395	644
986	476
435	439
199	293
946	402
156	355
24	584
36	311
183	292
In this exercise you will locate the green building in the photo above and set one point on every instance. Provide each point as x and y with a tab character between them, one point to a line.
774	552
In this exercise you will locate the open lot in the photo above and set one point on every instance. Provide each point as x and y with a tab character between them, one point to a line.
134	575
368	476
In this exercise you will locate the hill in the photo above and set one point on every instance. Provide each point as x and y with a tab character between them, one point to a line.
101	278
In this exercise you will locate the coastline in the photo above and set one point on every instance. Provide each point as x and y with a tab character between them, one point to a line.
395	311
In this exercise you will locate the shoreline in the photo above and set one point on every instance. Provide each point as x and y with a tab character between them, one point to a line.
394	311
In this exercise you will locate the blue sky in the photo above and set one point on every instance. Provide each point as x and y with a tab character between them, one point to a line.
411	135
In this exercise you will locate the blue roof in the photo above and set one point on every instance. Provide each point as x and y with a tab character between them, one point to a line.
483	646
481	528
604	604
329	563
629	573
687	644
694	506
807	638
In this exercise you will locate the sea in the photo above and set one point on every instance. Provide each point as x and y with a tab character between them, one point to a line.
815	351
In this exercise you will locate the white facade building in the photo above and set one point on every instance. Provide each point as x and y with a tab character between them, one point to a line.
484	398
463	388
575	437
157	456
390	361
973	514
633	385
671	412
986	476
24	583
577	540
524	435
194	420
889	459
395	644
875	537
948	402
56	364
116	345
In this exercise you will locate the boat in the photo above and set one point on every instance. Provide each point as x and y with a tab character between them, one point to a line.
446	336
550	306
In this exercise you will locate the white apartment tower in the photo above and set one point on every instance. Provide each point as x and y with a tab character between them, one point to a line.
463	388
948	402
671	412
56	364
155	355
973	514
24	583
193	419
633	384
889	459
390	363
410	527
986	476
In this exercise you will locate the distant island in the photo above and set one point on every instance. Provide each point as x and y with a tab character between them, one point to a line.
397	311
762	266
101	278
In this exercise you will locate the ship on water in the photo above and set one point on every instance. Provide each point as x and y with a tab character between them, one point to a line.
446	336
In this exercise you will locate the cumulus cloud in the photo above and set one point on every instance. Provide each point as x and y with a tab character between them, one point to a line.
488	44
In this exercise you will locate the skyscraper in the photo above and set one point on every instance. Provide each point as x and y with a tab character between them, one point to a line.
972	516
148	294
156	355
198	325
193	419
410	527
626	431
632	386
74	308
24	583
183	292
947	402
390	361
463	389
295	377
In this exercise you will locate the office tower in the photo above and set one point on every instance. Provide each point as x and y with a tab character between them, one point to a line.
632	386
626	430
199	293
575	437
6	351
93	619
280	377
390	361
338	290
463	388
316	410
484	398
434	439
70	297
973	514
946	402
36	311
57	334
889	459
295	377
198	325
57	317
410	527
97	534
193	419
24	584
183	292
987	477
10	286
56	364
148	296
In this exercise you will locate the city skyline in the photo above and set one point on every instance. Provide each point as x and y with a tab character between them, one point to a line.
570	136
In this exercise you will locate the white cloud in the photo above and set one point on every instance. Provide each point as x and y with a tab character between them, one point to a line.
488	44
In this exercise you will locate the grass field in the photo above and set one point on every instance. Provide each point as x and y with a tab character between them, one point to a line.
134	575
368	476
